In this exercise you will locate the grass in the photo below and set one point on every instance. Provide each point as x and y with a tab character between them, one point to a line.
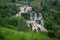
8	34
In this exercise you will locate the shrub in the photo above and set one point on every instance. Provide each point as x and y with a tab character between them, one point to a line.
1	36
18	22
26	16
14	22
7	9
15	35
54	32
56	29
51	34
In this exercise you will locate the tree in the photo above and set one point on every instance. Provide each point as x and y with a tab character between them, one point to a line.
54	32
7	9
55	2
18	22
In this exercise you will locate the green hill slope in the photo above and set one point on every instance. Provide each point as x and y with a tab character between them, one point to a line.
7	34
51	14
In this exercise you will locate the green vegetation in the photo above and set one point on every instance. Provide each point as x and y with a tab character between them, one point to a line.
26	16
8	34
17	23
7	18
7	9
51	17
16	28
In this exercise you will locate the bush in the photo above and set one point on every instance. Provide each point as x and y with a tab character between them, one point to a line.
15	35
1	36
51	21
56	29
45	8
55	2
54	32
18	22
13	22
26	16
7	9
51	34
57	34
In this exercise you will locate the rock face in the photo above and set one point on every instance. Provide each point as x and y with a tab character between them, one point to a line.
37	26
33	18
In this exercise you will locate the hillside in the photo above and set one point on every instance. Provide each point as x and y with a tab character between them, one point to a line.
8	34
16	28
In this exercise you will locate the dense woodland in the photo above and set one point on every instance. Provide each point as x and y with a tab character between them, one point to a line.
16	28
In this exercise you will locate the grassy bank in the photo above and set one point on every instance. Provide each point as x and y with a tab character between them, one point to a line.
7	34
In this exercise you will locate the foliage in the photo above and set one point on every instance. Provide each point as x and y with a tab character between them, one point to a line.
26	16
54	32
8	34
51	34
56	29
7	9
18	22
55	2
8	21
51	20
14	1
5	0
